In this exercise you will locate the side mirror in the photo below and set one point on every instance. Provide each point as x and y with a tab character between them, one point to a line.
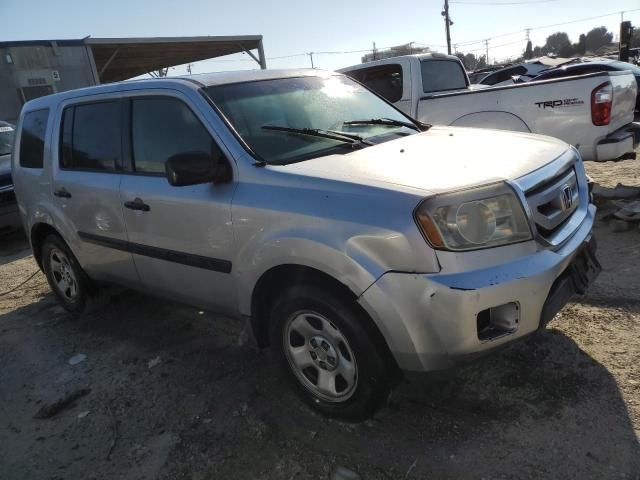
517	79
193	168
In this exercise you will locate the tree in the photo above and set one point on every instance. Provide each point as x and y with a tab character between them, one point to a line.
580	48
539	52
559	44
482	62
596	38
528	52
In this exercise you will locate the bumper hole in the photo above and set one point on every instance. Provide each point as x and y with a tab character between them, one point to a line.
498	321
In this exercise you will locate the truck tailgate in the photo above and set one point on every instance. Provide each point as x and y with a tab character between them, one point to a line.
624	99
559	108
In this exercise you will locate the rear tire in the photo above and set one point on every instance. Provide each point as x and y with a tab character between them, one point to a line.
68	281
329	353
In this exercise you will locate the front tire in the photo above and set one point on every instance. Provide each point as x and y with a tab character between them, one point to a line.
327	350
68	281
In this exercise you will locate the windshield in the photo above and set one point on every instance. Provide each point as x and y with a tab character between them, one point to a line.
6	139
324	104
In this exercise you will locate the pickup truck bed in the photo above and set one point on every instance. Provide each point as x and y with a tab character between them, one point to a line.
562	108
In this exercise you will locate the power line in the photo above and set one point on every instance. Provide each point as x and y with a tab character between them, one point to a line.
482	4
540	27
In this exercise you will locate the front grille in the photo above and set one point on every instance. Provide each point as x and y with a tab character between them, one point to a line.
554	202
557	199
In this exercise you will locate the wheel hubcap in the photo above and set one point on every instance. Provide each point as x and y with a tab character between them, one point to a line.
320	356
64	279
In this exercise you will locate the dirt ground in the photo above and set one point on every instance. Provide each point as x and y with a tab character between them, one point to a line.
167	391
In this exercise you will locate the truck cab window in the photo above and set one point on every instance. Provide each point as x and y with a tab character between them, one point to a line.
442	75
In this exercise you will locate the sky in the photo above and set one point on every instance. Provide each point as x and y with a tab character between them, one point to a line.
292	29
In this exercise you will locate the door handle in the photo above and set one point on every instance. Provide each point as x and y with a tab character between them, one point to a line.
137	204
62	193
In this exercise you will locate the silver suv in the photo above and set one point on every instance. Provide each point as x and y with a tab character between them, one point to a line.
358	242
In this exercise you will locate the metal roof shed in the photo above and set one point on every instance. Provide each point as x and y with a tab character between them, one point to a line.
122	58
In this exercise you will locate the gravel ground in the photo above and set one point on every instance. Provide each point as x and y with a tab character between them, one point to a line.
166	391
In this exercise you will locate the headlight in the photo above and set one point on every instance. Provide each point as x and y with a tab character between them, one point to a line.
473	219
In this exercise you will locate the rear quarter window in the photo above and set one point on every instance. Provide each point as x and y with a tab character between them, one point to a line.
442	75
34	126
385	80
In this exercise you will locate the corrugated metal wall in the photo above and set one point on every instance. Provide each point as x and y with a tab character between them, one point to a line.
27	71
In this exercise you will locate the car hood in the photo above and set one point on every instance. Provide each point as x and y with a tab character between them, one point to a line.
439	160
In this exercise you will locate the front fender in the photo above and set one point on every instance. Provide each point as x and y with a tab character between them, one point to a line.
356	262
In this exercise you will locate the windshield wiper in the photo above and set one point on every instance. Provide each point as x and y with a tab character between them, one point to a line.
389	121
318	132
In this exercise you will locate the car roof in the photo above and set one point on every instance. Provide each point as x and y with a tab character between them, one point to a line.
586	63
224	78
188	81
383	61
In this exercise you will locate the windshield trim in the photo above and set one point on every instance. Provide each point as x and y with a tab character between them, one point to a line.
259	161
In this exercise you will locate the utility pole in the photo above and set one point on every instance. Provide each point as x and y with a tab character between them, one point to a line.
189	68
311	57
447	24
374	52
486	46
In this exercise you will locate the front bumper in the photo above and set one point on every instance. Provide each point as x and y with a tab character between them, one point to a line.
430	321
619	143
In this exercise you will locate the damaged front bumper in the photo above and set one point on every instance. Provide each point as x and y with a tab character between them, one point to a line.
435	321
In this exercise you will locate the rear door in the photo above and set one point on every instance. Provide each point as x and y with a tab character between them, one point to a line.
181	237
87	171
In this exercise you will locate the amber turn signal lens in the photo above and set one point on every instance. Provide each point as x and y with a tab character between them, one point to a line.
430	230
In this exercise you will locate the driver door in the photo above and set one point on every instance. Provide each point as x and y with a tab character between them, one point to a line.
181	237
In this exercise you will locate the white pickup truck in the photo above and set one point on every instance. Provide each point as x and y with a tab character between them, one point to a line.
593	112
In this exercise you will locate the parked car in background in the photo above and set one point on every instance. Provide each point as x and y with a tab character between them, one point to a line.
476	75
357	241
9	217
592	112
523	71
585	66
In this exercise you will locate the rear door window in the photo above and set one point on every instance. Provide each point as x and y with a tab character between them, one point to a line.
162	127
442	75
34	126
385	80
91	137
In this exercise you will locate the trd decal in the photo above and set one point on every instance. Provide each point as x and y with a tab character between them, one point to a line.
567	102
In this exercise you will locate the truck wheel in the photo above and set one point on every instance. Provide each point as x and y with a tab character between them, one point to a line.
328	353
75	291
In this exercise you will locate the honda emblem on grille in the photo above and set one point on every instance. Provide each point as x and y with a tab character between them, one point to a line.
566	198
